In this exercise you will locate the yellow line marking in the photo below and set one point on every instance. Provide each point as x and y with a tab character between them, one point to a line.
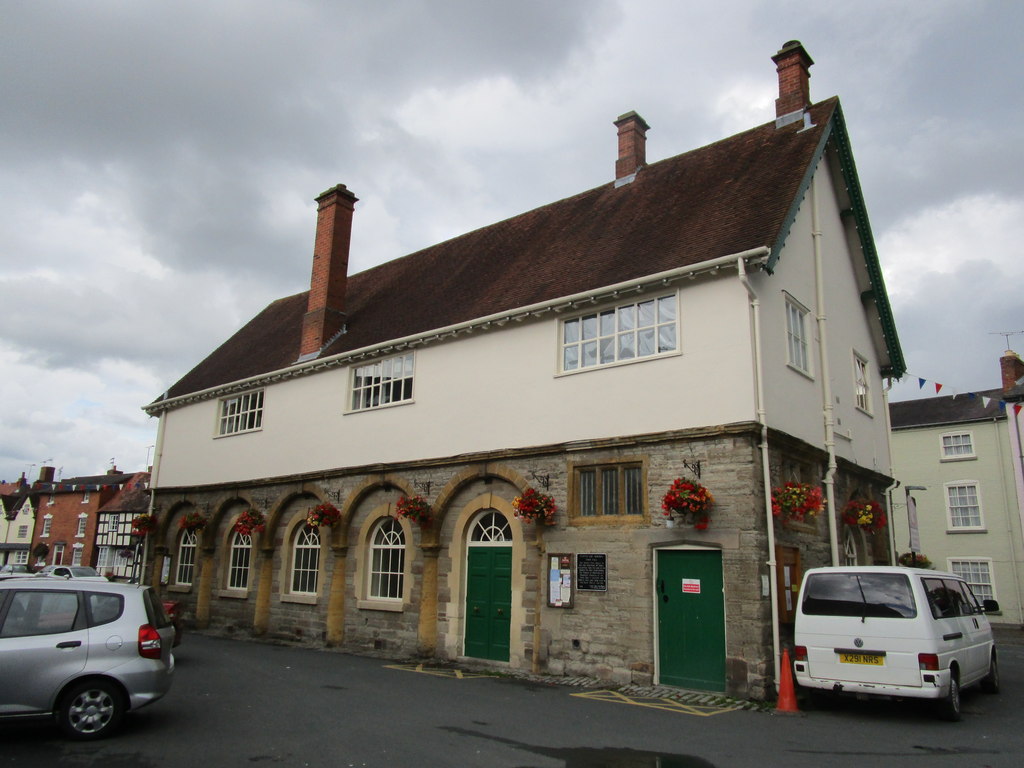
669	705
457	674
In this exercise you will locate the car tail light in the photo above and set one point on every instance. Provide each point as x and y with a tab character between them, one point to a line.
929	661
800	653
149	642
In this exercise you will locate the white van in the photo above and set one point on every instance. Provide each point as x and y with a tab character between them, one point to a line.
901	632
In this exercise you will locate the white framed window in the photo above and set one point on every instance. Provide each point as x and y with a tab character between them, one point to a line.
243	413
113	521
608	490
978	575
797	346
241	558
958	445
491	528
76	555
50	501
387	561
964	506
82	523
47	525
21	557
849	550
306	561
85	496
861	383
186	558
625	333
22	531
105	559
58	555
383	382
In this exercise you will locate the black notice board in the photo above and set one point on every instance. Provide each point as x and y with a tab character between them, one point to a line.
592	572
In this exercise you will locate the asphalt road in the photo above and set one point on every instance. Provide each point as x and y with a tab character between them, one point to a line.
238	703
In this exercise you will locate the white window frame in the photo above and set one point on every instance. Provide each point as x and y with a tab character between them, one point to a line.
862	383
76	554
383	383
950	451
967	569
83	521
798	347
23	531
21	557
614	336
186	569
304	573
85	496
386	574
240	561
106	558
955	523
57	555
47	526
240	414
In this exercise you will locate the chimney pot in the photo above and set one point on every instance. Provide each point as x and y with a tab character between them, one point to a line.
793	65
46	474
325	310
632	146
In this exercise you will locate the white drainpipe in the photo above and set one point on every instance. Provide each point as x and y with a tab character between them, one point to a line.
826	381
773	566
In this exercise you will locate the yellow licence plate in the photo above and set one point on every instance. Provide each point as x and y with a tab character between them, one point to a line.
862	658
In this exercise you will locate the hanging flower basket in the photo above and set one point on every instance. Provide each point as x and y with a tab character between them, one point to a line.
796	501
535	507
867	515
691	501
322	514
249	522
415	508
143	524
914	560
193	521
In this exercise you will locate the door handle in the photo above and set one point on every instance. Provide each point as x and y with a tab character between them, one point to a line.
501	611
476	609
661	586
69	644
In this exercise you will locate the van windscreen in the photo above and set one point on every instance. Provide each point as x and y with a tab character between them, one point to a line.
877	595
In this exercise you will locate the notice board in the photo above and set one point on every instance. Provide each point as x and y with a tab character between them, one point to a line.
592	572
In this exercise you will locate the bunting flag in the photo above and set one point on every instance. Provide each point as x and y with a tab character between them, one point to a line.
985	400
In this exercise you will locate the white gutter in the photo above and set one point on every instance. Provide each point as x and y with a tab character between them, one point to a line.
828	407
773	566
154	475
893	551
439	334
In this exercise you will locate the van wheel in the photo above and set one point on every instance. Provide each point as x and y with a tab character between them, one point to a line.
949	707
990	682
91	710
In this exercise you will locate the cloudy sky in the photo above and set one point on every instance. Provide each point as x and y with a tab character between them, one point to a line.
159	160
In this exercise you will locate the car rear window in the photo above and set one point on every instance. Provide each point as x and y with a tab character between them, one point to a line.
876	595
103	608
155	610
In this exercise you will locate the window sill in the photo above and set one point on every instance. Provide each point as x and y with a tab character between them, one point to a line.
625	521
179	588
946	459
233	594
966	530
396	606
797	369
300	599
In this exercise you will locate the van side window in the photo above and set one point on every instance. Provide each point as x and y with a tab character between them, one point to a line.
946	599
876	595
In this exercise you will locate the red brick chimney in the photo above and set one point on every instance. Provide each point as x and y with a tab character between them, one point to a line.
325	312
46	474
1012	369
632	146
792	64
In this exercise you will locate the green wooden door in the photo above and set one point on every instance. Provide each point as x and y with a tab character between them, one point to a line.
488	602
691	619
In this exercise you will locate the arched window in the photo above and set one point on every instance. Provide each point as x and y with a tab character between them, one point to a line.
186	558
491	527
241	556
306	561
387	561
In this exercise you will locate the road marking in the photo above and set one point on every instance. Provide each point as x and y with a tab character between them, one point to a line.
458	674
654	702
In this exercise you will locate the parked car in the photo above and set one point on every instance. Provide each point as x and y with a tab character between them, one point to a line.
72	572
11	571
82	652
898	632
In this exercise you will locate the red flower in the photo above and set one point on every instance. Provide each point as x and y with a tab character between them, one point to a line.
322	514
691	500
415	508
535	507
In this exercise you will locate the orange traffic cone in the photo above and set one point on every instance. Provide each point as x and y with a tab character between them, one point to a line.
787	692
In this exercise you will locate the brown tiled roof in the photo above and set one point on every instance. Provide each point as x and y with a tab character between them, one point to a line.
715	201
134	496
955	409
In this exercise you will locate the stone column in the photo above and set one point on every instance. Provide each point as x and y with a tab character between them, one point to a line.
261	617
205	589
156	568
428	601
336	600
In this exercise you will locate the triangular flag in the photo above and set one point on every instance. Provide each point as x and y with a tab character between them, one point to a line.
1002	406
920	383
985	401
1017	409
938	388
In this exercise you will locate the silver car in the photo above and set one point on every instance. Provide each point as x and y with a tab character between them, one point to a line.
72	572
84	652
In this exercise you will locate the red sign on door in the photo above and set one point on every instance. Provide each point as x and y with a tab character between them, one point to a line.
691	586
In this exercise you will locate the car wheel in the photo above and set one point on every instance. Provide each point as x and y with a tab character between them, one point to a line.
990	682
91	710
949	707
